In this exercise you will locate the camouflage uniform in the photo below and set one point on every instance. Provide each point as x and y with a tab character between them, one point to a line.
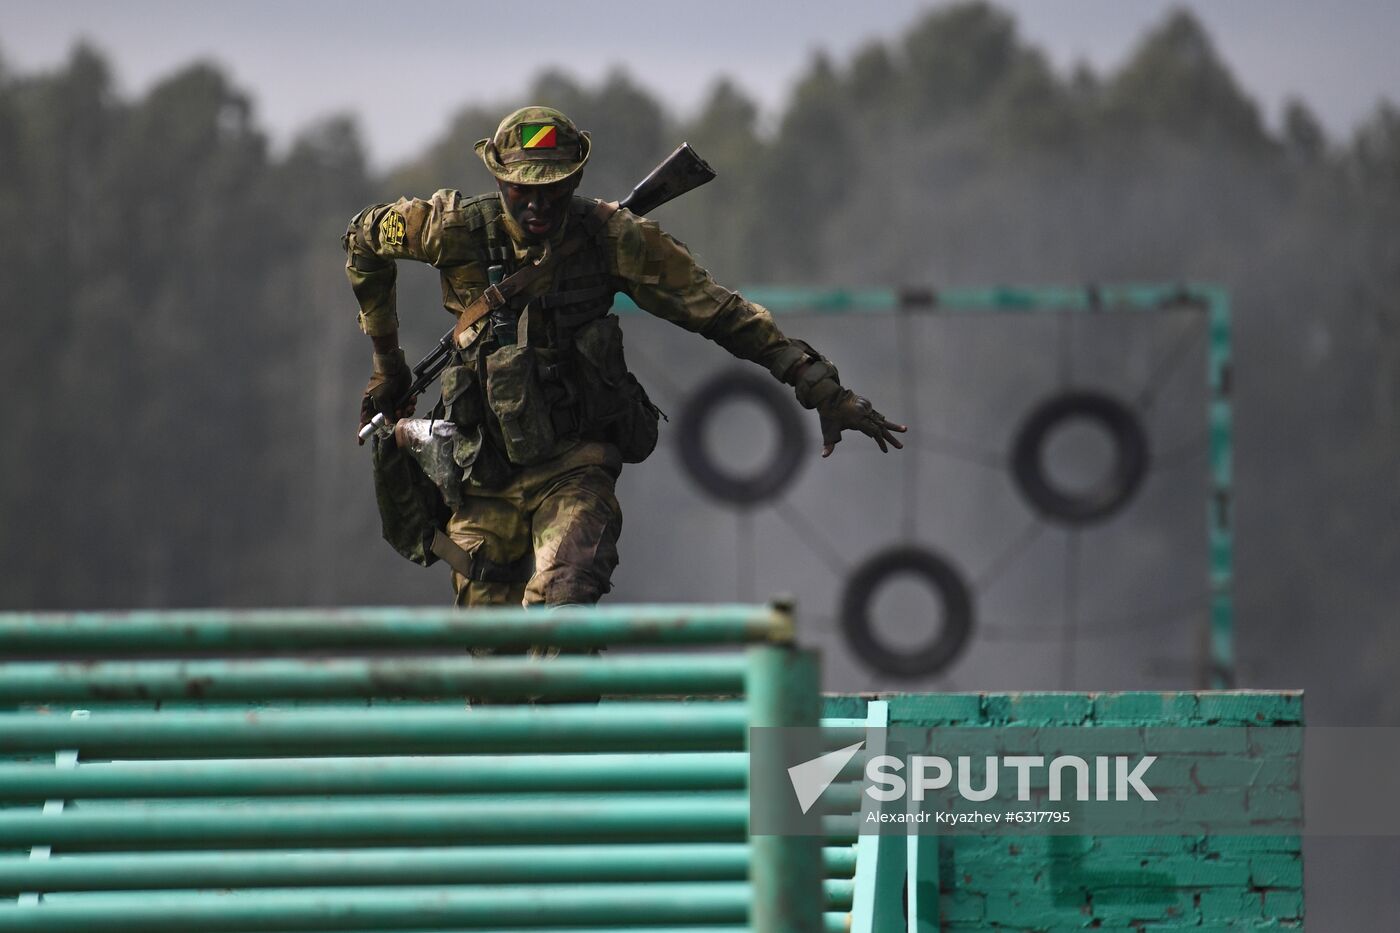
559	504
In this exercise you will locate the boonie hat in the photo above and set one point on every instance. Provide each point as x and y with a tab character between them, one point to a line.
535	146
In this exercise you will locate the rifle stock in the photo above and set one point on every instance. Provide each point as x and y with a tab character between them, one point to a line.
681	171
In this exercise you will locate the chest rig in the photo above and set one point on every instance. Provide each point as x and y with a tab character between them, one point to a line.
545	369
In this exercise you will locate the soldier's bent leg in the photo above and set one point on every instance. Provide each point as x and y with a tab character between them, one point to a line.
575	529
498	529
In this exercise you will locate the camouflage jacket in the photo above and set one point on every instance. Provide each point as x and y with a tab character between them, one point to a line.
653	269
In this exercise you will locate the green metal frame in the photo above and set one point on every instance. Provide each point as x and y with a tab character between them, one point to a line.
642	813
1213	299
880	858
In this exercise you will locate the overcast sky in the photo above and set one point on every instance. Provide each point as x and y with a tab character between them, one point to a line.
404	67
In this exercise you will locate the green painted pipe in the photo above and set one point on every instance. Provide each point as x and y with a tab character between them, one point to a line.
458	865
839	861
836	923
717	726
94	633
839	893
692	817
630	929
456	774
841	829
284	678
783	691
387	908
843	799
789	299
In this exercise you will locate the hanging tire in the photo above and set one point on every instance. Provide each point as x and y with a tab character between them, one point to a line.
773	478
1105	498
953	592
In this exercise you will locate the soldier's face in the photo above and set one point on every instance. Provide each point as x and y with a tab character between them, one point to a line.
538	209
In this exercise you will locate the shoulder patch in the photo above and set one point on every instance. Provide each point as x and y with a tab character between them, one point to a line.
391	230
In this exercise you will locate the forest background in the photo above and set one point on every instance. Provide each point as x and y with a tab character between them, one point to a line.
182	373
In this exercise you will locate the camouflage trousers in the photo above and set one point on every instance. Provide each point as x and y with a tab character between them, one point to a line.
565	510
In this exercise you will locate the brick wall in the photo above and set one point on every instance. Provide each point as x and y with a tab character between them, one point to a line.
1151	884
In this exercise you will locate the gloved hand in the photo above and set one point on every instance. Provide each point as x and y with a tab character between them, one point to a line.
851	412
389	380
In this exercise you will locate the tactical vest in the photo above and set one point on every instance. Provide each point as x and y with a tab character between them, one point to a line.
523	398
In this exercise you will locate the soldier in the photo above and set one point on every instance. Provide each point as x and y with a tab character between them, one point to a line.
545	410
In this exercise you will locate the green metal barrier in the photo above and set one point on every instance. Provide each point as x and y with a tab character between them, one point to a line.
303	770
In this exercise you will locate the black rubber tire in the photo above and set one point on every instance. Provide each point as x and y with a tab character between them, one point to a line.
953	592
1131	458
778	474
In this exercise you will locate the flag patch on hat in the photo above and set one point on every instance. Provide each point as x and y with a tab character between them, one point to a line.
539	136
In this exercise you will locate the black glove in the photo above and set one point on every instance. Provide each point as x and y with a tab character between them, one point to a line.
388	382
851	412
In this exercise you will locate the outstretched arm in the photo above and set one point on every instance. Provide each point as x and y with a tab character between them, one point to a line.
660	275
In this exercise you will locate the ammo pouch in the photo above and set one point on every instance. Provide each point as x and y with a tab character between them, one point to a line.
616	408
518	400
411	509
461	395
463	405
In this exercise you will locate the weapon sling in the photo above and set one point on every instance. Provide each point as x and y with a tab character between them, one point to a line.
522	280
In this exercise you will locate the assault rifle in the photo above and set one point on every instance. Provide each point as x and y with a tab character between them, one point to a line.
681	171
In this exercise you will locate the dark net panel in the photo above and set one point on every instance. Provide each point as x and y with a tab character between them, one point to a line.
1112	599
